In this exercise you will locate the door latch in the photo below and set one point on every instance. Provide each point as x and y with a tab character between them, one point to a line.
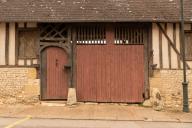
67	66
56	62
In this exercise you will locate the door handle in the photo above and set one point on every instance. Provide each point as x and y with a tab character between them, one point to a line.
67	66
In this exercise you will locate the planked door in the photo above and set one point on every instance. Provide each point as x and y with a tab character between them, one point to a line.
110	71
54	75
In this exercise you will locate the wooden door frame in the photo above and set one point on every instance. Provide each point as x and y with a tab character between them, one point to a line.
148	60
67	49
147	57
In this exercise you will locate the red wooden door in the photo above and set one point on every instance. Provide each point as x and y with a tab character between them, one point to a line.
55	78
110	72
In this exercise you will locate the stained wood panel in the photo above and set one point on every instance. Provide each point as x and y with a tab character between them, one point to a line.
110	73
56	79
127	77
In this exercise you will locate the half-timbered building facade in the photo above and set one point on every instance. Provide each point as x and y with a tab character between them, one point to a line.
106	50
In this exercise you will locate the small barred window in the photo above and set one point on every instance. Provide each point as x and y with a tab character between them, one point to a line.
90	34
127	34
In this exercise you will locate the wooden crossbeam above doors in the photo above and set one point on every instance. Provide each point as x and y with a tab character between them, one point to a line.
53	32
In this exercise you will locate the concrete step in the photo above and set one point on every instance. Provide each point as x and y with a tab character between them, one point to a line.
53	103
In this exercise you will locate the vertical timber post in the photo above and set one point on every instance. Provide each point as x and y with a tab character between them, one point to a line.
72	98
185	83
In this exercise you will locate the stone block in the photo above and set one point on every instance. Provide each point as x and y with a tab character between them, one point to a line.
32	73
169	84
15	81
71	99
32	90
147	103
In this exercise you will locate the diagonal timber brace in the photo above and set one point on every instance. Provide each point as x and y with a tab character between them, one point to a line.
171	43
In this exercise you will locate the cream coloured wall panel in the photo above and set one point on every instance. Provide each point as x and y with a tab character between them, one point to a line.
28	62
165	50
34	61
2	43
155	44
178	40
12	44
174	63
21	62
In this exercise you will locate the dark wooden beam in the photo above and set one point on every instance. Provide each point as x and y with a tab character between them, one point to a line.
160	50
171	43
7	45
150	52
16	43
70	56
169	49
146	62
74	55
174	40
53	39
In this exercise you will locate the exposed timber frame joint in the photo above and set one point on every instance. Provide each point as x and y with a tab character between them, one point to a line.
171	43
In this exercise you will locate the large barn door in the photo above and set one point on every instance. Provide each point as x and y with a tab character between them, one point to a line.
55	76
110	64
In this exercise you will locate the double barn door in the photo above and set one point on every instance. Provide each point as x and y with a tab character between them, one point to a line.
108	65
110	73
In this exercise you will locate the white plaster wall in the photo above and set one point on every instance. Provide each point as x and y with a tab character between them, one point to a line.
12	44
155	44
165	56
178	40
165	50
21	62
2	43
174	62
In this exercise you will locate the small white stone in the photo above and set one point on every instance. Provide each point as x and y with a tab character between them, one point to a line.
147	103
71	99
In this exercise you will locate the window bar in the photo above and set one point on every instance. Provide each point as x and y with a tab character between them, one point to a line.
83	32
118	35
90	35
140	36
96	35
104	35
131	39
122	35
143	31
136	36
81	35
